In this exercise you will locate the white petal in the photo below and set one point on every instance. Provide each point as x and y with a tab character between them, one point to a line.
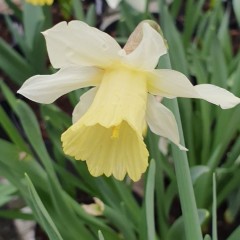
149	50
217	95
170	83
47	88
85	102
113	3
162	122
163	144
76	43
139	5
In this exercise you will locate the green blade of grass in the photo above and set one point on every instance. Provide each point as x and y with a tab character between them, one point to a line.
235	235
78	10
149	200
91	15
214	210
177	229
236	8
184	182
11	130
15	66
16	214
41	212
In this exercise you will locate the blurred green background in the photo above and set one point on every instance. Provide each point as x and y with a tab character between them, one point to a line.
204	40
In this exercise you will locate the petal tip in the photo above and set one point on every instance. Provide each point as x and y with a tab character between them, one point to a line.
22	92
182	148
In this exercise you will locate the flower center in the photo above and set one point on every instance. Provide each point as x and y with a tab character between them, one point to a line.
115	132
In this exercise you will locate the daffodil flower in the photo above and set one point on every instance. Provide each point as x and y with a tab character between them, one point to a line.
40	2
110	119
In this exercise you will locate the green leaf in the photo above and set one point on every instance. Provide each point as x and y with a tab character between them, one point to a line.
186	193
32	20
16	34
41	212
176	49
191	17
236	8
7	189
15	66
55	116
17	12
197	171
214	210
235	80
15	214
91	15
127	198
6	193
11	130
32	130
78	12
235	235
177	230
118	219
8	94
14	163
224	35
218	63
233	203
149	201
178	62
169	196
33	134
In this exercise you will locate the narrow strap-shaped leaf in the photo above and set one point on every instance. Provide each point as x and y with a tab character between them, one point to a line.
214	210
149	200
235	235
41	212
13	64
184	182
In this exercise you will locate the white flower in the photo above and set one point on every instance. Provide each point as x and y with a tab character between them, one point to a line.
139	5
110	119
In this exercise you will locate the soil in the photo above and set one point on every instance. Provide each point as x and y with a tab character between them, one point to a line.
7	230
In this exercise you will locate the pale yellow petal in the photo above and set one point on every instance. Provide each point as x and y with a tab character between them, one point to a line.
122	95
40	2
109	135
105	154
